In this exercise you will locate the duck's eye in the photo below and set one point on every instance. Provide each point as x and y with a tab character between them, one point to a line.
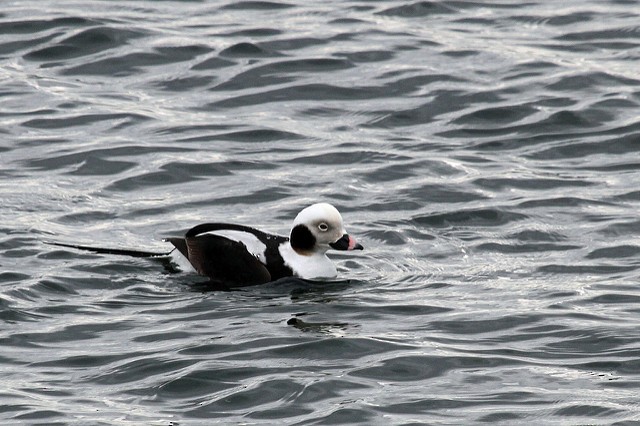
323	227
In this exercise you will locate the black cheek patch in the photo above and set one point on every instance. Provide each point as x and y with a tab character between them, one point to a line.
302	239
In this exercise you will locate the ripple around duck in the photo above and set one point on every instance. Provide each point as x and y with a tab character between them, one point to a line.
134	63
530	184
257	135
279	72
615	252
256	5
623	144
589	82
417	9
418	368
440	194
248	50
169	174
98	156
14	47
87	42
526	248
603	270
323	350
477	217
83	120
311	91
34	26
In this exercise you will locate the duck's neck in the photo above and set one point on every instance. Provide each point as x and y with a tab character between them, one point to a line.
310	265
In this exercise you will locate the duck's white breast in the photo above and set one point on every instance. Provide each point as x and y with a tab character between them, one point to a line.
317	265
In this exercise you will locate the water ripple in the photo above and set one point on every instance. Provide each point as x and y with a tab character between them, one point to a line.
484	154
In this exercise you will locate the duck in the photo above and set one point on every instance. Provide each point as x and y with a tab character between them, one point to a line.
236	255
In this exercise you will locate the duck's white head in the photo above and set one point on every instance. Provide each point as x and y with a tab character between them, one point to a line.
318	228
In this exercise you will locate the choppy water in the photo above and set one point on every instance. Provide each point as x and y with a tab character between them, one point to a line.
485	153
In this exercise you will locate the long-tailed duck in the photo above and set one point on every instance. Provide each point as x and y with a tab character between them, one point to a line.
234	255
238	255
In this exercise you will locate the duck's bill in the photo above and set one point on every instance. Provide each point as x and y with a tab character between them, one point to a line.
346	242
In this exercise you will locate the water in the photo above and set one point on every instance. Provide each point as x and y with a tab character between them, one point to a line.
484	153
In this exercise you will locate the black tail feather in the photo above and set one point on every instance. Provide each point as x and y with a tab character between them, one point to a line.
103	250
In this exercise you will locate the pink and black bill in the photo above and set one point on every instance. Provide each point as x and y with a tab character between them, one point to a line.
346	242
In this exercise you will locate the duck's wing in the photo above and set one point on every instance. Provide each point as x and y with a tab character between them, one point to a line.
264	237
265	246
224	260
236	255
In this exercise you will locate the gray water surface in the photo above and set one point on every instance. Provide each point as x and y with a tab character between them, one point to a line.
484	153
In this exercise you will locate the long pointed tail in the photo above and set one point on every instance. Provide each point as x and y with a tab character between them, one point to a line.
103	250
